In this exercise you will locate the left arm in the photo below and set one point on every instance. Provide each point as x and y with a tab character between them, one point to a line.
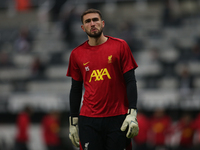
131	88
75	100
130	121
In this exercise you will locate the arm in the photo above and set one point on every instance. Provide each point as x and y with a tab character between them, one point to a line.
130	121
75	101
131	88
75	97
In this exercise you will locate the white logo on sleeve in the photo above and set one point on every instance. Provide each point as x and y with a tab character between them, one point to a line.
87	68
86	146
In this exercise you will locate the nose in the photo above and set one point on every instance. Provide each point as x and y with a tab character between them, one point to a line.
92	23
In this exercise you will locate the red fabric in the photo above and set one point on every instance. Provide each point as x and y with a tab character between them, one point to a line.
50	126
101	68
159	129
22	5
80	146
143	124
23	122
187	133
197	127
197	122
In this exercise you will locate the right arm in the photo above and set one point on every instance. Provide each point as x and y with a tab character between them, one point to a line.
75	101
75	97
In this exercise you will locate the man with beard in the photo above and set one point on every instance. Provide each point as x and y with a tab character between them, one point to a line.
105	65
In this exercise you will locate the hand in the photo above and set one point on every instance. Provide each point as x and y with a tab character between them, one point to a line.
73	131
132	124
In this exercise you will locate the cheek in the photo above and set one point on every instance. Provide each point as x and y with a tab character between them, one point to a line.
86	28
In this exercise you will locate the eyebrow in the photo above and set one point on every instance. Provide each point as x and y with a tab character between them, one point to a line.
93	19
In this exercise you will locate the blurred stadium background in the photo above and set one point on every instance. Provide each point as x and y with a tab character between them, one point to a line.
37	38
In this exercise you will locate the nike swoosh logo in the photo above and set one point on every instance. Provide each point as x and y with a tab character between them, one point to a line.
85	63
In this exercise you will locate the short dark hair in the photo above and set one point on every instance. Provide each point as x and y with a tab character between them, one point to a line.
91	10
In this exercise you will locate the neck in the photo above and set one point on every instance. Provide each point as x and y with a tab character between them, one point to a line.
97	41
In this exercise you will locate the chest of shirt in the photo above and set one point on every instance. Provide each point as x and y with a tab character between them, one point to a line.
99	59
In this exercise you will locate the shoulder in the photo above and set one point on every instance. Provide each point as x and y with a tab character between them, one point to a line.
79	48
23	117
114	39
46	119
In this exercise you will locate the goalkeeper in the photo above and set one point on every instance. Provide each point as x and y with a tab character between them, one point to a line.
106	67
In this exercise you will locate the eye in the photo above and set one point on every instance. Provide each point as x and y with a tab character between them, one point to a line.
87	21
95	19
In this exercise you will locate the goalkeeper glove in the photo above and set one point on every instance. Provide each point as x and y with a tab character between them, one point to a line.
132	124
73	131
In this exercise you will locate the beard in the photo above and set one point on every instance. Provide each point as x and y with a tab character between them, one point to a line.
95	34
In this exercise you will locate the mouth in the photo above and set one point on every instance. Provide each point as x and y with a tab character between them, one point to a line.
94	30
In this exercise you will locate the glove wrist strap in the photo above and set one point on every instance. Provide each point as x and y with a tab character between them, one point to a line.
73	121
132	111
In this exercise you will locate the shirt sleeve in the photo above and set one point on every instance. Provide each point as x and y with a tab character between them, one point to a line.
73	68
75	97
131	88
127	60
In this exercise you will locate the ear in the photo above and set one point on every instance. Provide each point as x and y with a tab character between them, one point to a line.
82	27
103	23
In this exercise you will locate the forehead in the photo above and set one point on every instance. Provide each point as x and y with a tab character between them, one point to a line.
90	16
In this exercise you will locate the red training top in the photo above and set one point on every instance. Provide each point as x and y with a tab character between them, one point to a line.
187	133
159	128
23	122
50	127
101	68
143	124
